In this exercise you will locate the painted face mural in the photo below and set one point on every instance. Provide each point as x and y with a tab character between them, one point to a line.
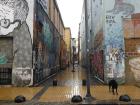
13	15
7	23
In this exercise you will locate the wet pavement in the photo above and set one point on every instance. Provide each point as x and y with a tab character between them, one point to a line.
9	93
69	84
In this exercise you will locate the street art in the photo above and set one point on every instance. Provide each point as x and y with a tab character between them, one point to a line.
47	35
121	40
13	14
98	64
3	59
114	39
6	52
121	6
45	44
114	65
23	76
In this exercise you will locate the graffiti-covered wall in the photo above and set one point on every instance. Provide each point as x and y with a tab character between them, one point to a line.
114	30
16	20
114	39
118	27
46	45
97	63
97	37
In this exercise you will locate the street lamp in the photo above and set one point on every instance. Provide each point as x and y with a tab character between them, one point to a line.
88	97
73	58
73	50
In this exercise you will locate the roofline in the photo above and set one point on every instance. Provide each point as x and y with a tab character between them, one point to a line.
57	7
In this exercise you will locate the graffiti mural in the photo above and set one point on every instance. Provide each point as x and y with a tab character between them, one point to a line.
47	35
120	6
121	40
114	39
45	44
98	55
23	76
13	15
3	59
98	64
6	52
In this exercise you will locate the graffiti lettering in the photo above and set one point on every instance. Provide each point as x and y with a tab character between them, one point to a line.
110	19
23	76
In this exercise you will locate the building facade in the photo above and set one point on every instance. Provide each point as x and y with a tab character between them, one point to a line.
67	39
112	26
73	49
30	41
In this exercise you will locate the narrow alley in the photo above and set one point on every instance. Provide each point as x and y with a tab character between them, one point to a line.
68	52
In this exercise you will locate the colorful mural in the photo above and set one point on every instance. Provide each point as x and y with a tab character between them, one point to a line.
6	52
47	35
40	47
97	63
114	27
23	76
45	45
3	59
13	15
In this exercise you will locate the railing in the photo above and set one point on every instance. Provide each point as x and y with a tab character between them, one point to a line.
5	74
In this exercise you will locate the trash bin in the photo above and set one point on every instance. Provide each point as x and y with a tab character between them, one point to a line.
54	82
84	82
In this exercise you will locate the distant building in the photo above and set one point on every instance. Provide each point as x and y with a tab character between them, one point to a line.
73	48
67	39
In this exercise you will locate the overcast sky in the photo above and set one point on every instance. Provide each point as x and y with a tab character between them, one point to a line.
71	14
